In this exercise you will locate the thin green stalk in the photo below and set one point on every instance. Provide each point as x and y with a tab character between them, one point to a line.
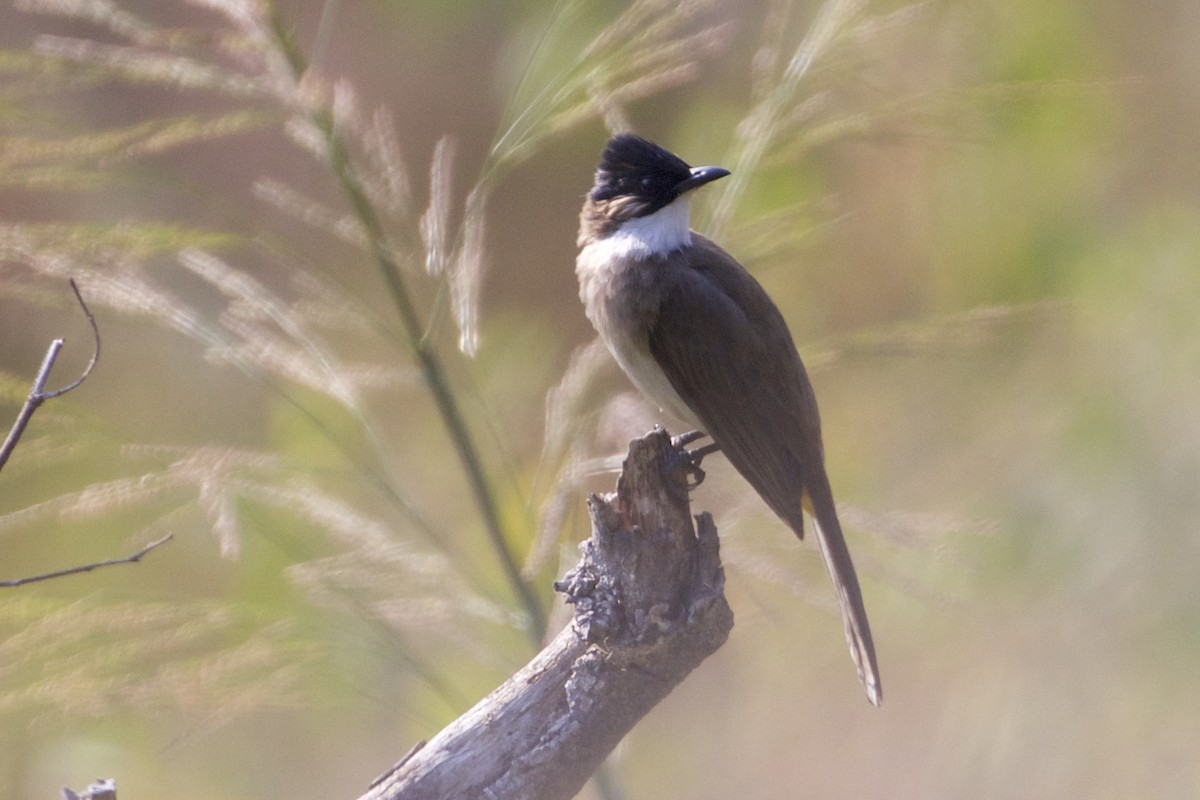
434	373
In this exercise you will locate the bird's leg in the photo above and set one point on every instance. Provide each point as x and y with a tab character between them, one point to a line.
689	460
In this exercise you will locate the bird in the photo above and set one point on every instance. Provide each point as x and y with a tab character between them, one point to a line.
698	335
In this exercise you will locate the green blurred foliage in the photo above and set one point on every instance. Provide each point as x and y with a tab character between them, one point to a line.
986	239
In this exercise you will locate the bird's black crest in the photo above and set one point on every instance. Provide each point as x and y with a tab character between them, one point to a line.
633	166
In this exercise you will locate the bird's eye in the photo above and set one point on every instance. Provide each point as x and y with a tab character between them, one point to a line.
646	184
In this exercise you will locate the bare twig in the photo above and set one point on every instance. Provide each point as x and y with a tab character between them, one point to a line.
133	559
38	393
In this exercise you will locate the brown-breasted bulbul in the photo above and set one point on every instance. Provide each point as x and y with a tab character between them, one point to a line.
697	333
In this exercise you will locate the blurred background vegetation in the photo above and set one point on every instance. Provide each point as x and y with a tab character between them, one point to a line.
980	220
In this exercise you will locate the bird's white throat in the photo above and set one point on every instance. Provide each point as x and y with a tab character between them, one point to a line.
657	234
614	284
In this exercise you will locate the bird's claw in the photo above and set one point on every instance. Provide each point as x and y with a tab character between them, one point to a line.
689	460
693	476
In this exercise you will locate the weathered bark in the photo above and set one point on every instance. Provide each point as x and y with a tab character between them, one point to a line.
649	607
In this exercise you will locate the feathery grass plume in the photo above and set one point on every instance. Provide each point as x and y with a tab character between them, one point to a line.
325	306
132	241
305	134
267	335
429	608
964	332
567	404
26	75
386	179
815	94
302	333
95	662
777	89
207	478
139	65
104	14
933	534
929	532
346	111
645	49
215	480
94	501
562	465
924	530
112	281
140	139
435	222
557	509
311	212
85	163
466	278
341	160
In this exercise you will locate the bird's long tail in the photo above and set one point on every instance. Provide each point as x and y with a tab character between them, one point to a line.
818	500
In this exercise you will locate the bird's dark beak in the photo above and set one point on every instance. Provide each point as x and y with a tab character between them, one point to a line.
699	177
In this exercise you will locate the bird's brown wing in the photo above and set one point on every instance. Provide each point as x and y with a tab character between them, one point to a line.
728	353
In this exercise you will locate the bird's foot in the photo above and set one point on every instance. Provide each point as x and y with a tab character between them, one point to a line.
689	460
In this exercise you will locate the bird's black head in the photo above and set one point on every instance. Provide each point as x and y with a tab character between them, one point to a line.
637	178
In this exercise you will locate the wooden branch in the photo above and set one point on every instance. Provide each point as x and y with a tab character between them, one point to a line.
649	607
